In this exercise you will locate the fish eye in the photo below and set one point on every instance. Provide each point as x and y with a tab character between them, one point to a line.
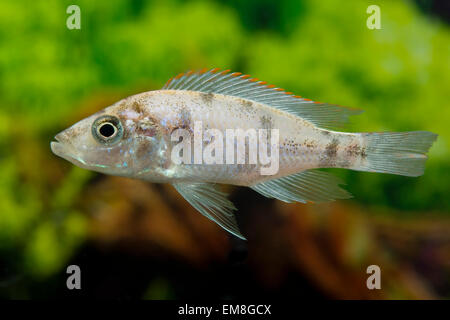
107	129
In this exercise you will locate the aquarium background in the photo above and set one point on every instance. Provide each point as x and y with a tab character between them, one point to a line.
134	240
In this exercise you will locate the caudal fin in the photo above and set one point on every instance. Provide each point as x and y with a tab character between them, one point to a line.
401	153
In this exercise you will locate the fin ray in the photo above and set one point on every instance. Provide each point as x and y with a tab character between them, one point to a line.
309	185
211	203
327	116
401	153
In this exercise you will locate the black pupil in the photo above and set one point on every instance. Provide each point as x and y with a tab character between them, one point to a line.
107	130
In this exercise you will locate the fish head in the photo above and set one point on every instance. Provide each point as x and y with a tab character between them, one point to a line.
117	141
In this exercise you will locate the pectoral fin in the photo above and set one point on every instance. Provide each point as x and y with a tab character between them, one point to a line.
211	203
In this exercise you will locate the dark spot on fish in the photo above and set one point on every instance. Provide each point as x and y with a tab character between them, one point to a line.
310	144
207	98
325	132
137	107
328	159
247	105
363	153
291	146
355	150
185	123
122	105
144	148
266	122
185	118
331	148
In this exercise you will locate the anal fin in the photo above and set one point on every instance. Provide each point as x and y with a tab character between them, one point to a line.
211	203
305	186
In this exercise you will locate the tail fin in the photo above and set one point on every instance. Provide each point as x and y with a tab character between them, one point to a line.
401	153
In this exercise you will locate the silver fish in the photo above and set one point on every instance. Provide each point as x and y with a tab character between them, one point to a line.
135	138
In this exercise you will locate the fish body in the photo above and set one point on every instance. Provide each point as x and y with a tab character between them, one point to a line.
211	127
302	145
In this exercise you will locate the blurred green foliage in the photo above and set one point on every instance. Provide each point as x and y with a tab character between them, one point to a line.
322	50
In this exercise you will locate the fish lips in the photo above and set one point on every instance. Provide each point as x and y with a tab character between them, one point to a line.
61	148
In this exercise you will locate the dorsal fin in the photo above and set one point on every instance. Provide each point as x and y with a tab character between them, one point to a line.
243	86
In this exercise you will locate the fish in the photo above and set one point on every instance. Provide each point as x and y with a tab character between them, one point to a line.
211	127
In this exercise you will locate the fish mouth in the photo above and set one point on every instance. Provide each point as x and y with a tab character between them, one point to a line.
60	148
57	146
